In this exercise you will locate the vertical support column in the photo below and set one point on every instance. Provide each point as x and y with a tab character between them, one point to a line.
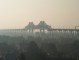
40	31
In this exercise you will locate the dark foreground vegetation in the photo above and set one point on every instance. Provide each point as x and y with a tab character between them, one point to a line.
39	48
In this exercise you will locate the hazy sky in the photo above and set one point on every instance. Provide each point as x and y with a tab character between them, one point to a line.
57	13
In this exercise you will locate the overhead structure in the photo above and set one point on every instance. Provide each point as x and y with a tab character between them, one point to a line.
30	27
42	26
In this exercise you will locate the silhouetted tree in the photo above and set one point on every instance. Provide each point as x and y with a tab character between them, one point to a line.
33	52
49	48
11	56
22	56
75	48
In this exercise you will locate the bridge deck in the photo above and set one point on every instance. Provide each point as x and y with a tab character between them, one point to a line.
52	30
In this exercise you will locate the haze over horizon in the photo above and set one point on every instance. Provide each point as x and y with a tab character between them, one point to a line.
16	14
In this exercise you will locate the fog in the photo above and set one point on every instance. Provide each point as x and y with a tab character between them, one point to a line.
57	13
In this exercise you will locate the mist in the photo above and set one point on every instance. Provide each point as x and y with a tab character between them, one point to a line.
57	13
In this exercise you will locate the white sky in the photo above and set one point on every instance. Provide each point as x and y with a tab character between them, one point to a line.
57	13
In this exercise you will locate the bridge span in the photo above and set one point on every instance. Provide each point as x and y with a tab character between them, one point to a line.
53	30
42	27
